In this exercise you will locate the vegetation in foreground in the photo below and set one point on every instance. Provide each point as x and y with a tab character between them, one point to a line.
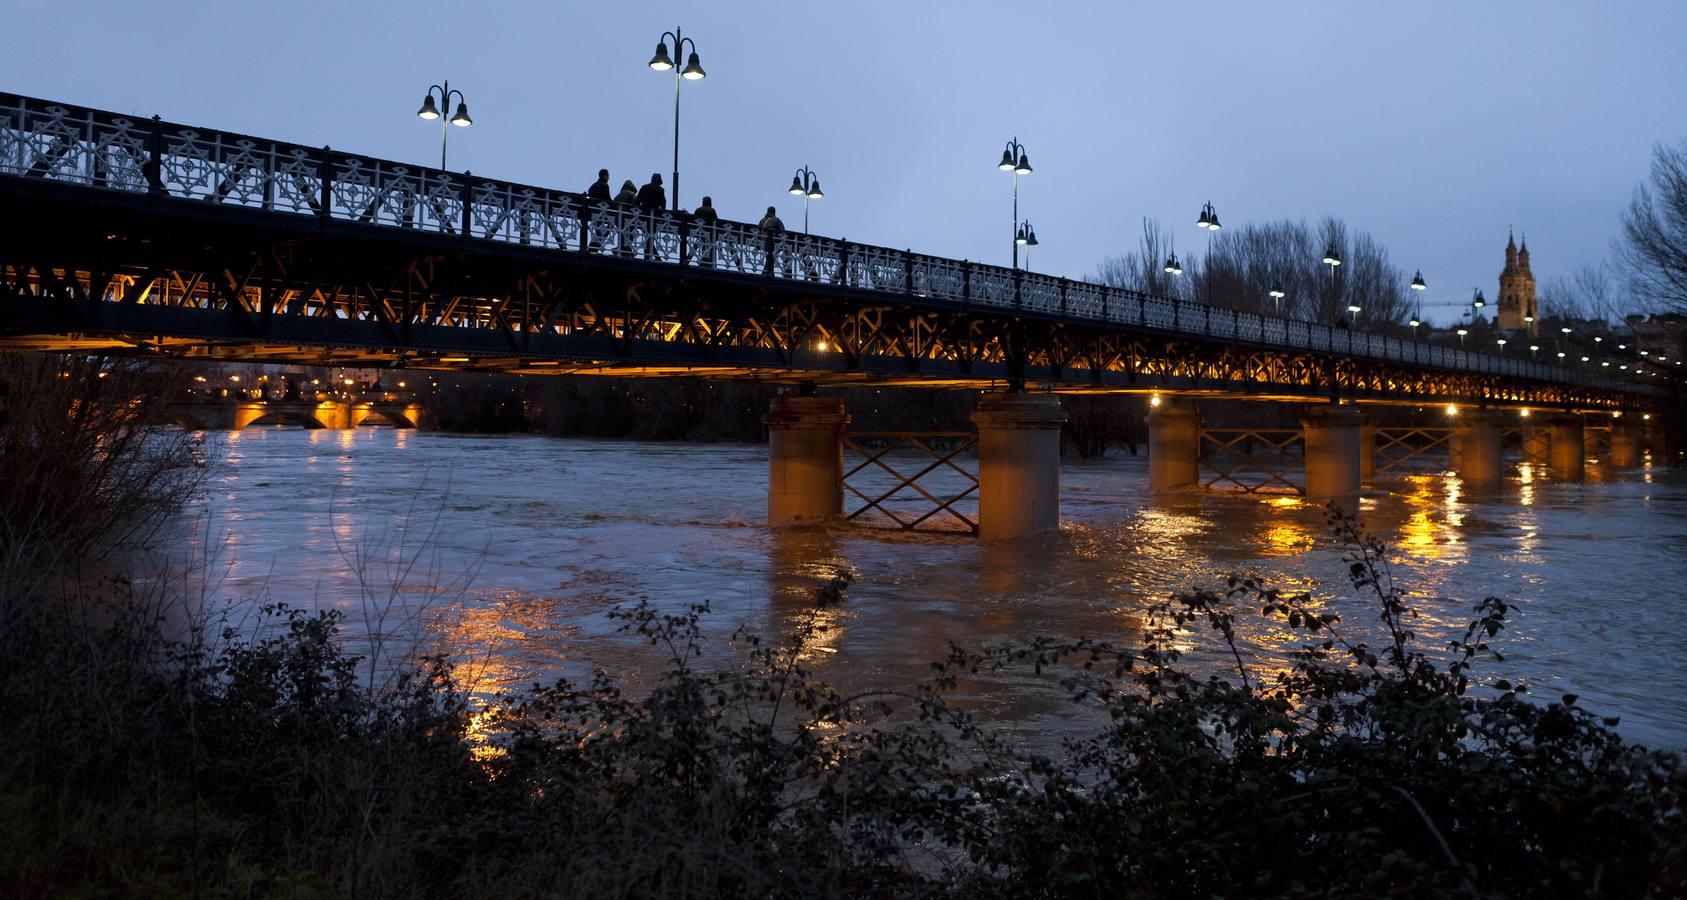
224	764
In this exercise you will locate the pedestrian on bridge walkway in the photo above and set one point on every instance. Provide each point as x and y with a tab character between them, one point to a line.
704	219
652	200
600	188
773	231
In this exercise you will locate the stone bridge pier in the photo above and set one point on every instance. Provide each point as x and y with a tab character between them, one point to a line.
1568	452
1478	448
1018	462
1174	446
1334	461
1628	444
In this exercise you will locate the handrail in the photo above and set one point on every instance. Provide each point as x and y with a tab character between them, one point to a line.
48	140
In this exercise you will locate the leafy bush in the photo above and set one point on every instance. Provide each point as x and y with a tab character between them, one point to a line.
269	765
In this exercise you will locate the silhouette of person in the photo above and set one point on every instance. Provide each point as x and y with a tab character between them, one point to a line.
600	188
651	201
651	197
704	218
772	230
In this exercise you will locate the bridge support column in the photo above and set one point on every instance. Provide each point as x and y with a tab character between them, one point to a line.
1368	449
1174	447
1332	454
1627	445
1569	452
804	459
1480	451
1018	464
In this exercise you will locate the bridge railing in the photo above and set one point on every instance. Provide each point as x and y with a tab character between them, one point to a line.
59	142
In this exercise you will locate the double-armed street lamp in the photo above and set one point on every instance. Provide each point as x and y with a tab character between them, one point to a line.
693	71
806	186
1277	296
1026	237
1172	267
1332	258
1015	162
1209	222
1418	287
430	111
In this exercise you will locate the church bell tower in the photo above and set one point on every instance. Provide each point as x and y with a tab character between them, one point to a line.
1518	308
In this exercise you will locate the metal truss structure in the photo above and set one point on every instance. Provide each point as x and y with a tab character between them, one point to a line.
1596	440
1414	450
1533	444
939	450
143	236
1254	461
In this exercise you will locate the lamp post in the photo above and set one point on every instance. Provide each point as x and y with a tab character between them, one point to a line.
1277	295
1354	312
1015	161
806	186
693	71
1418	287
1172	267
1026	237
1332	258
429	111
1209	222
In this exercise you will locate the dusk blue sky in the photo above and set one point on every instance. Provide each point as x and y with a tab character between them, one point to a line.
1432	125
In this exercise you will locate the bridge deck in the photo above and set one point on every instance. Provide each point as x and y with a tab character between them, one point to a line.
149	236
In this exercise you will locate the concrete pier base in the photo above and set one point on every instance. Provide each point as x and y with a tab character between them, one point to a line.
1569	450
1480	455
1174	447
804	459
1018	464
1627	445
1332	455
1367	450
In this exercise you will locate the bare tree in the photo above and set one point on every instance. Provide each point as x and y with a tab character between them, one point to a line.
1588	293
1655	232
1143	269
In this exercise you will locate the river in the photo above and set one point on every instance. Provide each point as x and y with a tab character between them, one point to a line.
508	551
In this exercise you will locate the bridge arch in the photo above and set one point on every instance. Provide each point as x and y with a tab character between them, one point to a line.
383	415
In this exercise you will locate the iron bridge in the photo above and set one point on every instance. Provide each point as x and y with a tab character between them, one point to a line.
130	235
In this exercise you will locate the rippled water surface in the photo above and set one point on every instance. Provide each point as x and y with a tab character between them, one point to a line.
510	549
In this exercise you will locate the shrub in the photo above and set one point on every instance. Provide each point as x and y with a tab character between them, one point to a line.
266	765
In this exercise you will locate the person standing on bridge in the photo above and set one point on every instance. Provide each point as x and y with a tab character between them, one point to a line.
628	195
652	200
772	230
599	190
705	218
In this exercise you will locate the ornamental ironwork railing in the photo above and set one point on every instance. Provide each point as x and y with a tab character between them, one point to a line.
59	142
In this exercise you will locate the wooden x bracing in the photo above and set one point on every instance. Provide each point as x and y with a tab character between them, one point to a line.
962	441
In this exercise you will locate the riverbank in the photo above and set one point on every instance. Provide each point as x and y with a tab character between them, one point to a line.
330	736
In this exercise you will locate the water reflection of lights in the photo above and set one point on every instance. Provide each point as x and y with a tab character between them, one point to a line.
1433	528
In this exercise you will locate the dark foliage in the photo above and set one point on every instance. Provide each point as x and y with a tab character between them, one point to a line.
269	766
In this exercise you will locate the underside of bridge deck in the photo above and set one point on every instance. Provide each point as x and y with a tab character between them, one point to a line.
171	278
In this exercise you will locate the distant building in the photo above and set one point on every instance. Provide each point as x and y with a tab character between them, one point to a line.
1661	335
1519	310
